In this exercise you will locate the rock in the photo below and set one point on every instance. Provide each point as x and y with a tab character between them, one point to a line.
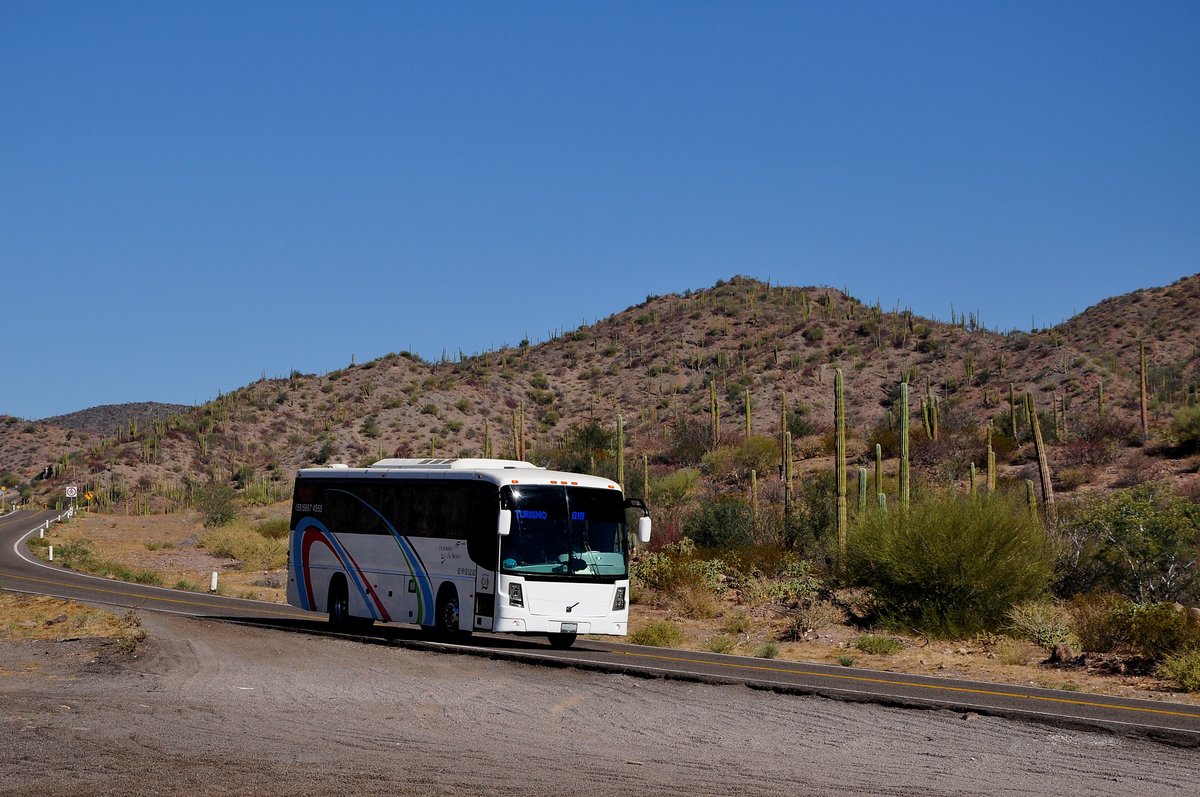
62	618
1179	607
1062	654
1195	612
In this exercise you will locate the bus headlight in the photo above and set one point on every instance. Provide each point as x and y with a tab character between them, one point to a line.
619	600
516	597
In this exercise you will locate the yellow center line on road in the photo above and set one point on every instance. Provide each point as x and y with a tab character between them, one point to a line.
915	684
140	596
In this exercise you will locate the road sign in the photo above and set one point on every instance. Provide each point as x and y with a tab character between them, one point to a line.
72	491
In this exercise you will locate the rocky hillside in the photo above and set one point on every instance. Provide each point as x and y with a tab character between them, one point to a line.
109	419
657	365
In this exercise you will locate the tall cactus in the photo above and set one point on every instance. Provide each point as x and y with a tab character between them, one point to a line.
862	491
991	461
878	468
1144	395
904	486
1012	409
747	412
839	416
1043	464
754	493
714	415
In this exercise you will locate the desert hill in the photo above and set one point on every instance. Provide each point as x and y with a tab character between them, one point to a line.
657	365
107	419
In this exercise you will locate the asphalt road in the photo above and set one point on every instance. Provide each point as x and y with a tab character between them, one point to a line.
1173	723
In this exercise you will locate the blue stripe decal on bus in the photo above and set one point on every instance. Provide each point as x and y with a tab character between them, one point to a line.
415	565
301	563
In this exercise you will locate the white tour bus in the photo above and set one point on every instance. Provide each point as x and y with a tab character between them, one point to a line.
457	545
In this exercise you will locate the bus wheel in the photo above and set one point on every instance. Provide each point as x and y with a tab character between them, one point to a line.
561	641
447	622
339	603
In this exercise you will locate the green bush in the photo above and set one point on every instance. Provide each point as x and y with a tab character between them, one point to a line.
657	634
878	645
790	582
1183	668
241	542
722	524
756	452
676	566
1043	622
274	529
1140	542
951	566
1107	623
720	644
674	489
217	502
1185	427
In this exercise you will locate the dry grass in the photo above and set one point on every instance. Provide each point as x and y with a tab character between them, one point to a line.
170	545
54	619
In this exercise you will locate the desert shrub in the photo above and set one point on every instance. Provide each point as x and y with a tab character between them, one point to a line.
1108	623
720	644
815	614
1185	428
586	448
675	565
1183	668
798	422
767	650
674	489
756	452
657	634
693	599
789	582
721	524
878	645
217	502
738	623
1043	622
75	554
687	441
81	555
1139	541
274	529
812	523
1072	477
951	565
241	542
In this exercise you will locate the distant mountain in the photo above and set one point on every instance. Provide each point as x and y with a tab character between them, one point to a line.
657	365
108	419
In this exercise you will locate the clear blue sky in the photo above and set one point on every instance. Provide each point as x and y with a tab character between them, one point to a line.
194	193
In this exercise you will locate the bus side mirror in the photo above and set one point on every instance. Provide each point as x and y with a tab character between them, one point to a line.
644	529
504	524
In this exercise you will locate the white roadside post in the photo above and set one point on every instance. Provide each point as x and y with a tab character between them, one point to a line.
51	553
212	584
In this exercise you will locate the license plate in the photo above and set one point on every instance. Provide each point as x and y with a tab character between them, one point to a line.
569	628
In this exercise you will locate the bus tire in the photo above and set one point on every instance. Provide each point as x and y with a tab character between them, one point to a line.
339	603
447	623
561	641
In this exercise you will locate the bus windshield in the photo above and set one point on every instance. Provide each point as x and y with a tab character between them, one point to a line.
564	532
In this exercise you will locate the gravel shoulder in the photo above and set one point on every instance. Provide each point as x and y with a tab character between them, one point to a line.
212	708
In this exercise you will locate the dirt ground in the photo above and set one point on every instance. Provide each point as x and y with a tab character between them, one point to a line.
204	708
